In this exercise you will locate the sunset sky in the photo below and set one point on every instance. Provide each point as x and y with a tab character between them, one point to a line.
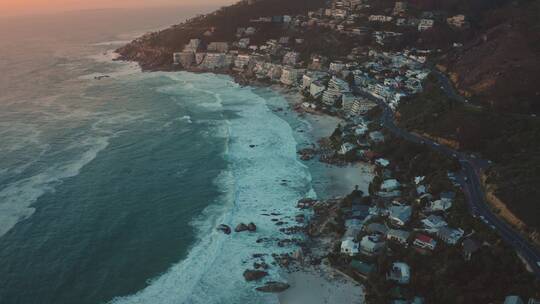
23	7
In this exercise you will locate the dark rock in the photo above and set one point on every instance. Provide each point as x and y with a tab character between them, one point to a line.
273	287
262	265
241	227
252	227
224	228
254	275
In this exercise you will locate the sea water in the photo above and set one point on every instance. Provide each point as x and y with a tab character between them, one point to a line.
111	189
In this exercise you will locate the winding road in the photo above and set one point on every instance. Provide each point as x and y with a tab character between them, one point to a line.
470	182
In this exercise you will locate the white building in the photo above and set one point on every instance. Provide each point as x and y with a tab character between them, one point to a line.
425	24
193	45
457	21
290	76
185	58
390	185
219	47
372	244
244	43
349	247
400	273
336	88
291	58
400	236
242	61
440	205
346	148
379	18
316	89
400	215
434	222
382	162
450	235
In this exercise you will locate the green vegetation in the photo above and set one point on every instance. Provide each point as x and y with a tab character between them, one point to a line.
509	140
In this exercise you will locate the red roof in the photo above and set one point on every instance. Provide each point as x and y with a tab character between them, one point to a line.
424	238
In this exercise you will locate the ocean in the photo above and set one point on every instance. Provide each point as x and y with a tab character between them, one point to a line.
111	189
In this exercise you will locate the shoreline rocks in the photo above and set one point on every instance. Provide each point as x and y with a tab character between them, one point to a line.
254	275
224	228
251	227
240	227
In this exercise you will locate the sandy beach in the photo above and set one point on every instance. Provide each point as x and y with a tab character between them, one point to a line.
321	287
318	285
328	180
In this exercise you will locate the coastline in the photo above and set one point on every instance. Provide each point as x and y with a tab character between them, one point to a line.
328	181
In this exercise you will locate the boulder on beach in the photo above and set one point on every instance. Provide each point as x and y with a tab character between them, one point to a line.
254	275
241	227
273	287
224	228
252	227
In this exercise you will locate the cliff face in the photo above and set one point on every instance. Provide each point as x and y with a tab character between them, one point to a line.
501	66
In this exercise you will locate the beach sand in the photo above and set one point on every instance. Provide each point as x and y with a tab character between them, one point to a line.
322	284
317	287
328	180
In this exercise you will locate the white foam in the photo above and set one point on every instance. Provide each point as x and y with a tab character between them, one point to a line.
113	42
16	198
212	271
122	68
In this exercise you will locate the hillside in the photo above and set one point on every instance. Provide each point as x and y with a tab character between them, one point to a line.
496	69
154	51
500	67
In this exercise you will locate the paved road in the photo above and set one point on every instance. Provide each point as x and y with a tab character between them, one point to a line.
471	167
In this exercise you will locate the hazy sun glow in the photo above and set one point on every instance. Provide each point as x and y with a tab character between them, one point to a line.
18	7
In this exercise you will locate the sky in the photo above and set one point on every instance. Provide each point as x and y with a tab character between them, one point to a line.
29	7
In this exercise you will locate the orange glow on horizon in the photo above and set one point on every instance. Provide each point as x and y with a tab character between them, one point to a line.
19	7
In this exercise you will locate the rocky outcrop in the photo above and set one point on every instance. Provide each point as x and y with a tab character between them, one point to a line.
251	227
254	275
224	228
240	227
273	287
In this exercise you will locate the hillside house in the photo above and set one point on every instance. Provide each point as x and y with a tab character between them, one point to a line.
425	24
372	245
434	222
399	236
425	242
449	235
399	215
349	247
400	273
